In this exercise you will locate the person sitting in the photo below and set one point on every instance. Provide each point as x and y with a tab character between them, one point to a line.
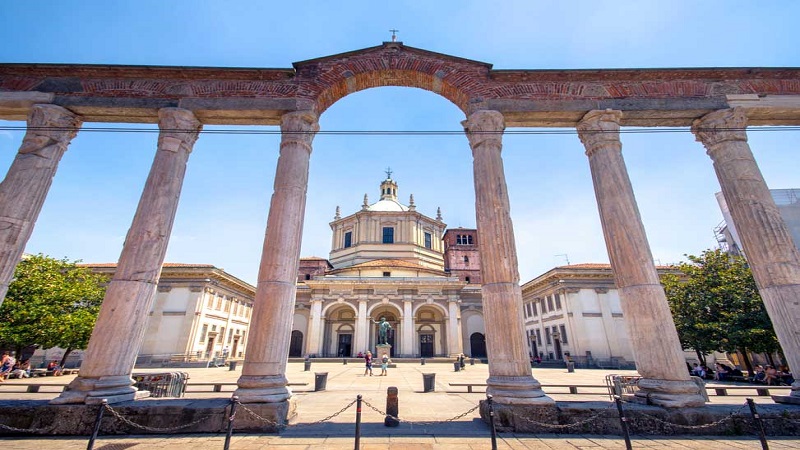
759	375
721	374
785	376
6	365
21	370
770	376
54	368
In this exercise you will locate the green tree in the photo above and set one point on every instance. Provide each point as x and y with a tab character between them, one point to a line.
51	303
716	306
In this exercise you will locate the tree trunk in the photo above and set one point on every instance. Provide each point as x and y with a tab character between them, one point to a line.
747	362
64	358
701	357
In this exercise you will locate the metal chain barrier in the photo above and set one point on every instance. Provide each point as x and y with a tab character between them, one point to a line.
469	411
568	425
43	430
123	419
281	426
730	416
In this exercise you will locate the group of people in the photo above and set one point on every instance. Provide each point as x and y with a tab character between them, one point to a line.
385	361
10	367
768	374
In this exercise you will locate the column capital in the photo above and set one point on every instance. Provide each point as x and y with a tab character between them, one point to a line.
299	127
598	129
49	125
179	127
484	126
721	126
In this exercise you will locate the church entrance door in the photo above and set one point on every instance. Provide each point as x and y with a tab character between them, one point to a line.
477	343
426	345
345	345
296	344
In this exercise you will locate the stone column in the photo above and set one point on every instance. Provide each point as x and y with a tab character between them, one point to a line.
771	252
22	192
264	371
510	380
362	325
659	357
453	336
314	340
117	336
407	344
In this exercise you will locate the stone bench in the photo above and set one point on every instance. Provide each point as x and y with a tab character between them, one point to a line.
217	387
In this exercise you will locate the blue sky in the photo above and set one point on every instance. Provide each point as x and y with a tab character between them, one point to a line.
225	200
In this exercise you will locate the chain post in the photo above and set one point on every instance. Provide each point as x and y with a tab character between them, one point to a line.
96	429
231	417
491	421
762	436
358	422
623	421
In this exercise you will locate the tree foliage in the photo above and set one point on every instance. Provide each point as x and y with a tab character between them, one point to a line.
716	305
50	303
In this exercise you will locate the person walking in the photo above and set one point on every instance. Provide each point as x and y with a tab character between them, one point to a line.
368	361
384	364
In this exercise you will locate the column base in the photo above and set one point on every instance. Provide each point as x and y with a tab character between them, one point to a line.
263	389
516	391
793	398
91	391
670	393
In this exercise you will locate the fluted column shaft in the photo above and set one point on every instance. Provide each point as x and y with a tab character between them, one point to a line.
120	327
314	338
654	338
264	372
510	379
407	344
22	192
771	252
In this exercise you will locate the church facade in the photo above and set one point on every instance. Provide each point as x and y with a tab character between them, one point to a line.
389	261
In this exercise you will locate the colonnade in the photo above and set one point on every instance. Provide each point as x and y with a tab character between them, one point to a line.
112	349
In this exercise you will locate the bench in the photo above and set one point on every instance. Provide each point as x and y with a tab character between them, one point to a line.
761	390
217	387
573	388
468	385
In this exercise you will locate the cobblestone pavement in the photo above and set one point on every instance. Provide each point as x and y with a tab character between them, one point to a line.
344	382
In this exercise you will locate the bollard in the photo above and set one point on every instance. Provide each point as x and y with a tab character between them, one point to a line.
306	366
422	361
456	366
234	400
472	361
762	436
320	381
428	382
491	421
232	366
392	408
623	421
570	367
97	421
344	361
358	422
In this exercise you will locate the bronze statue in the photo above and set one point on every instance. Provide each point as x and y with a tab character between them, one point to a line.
383	331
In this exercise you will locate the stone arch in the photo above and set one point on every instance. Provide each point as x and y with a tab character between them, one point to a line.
441	309
333	305
397	310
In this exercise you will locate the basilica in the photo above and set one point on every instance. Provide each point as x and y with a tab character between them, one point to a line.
389	261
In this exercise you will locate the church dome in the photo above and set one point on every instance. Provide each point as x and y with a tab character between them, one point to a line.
387	205
388	201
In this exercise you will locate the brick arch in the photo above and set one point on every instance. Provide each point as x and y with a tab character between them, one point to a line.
326	80
396	78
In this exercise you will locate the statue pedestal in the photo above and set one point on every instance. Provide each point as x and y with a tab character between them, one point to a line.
382	349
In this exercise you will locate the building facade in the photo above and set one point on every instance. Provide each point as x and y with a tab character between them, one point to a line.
200	312
388	260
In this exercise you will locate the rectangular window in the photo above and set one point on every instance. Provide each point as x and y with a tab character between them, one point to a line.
387	274
528	309
550	303
230	335
203	333
227	305
544	306
428	240
464	239
388	235
535	309
219	303
210	302
348	239
547	335
558	301
538	337
563	334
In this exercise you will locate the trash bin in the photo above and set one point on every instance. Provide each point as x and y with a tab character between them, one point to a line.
344	361
422	361
472	361
306	366
457	366
232	366
320	381
428	382
570	367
